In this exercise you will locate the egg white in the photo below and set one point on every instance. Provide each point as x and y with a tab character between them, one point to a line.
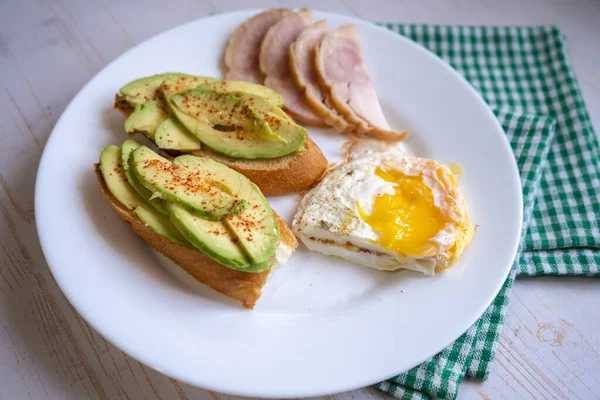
328	221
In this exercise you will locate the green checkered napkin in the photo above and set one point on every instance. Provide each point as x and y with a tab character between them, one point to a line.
525	76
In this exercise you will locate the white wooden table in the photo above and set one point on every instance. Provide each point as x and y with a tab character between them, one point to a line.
49	49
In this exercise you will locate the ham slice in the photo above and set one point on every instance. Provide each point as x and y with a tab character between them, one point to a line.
302	67
274	63
241	54
341	70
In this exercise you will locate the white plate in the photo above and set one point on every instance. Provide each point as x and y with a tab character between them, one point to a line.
322	325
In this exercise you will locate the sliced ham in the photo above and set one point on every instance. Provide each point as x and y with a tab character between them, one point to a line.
341	70
302	67
274	63
241	54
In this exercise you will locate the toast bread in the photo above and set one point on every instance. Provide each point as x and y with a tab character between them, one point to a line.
245	287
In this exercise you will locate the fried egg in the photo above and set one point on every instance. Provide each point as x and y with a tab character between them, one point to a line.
384	209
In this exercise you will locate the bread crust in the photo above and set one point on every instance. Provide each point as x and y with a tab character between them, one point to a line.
273	176
122	105
245	287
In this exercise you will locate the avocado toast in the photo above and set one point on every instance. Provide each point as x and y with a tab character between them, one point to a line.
207	218
238	123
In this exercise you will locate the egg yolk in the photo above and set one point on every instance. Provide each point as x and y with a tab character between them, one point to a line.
406	219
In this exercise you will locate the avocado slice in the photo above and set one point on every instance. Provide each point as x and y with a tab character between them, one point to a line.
257	267
196	191
126	149
262	105
277	119
114	177
202	119
160	225
210	237
255	227
144	89
171	135
146	118
221	112
231	86
177	84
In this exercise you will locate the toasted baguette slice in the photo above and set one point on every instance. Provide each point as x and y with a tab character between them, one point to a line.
245	287
273	176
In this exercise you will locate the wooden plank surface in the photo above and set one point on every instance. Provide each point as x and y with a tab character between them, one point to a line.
49	49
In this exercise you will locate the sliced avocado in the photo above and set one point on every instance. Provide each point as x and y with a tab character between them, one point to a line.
207	123
171	135
255	227
244	146
277	119
246	87
114	177
257	267
262	105
144	89
222	112
211	237
128	147
160	225
145	118
176	84
195	190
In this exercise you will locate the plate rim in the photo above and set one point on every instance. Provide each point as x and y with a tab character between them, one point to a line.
38	204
